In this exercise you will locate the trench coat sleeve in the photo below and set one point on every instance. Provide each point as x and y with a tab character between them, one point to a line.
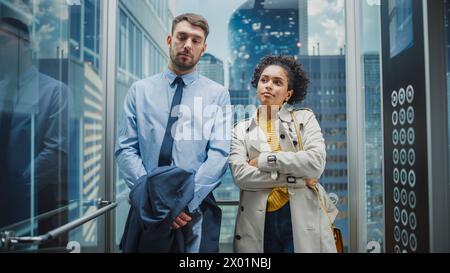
308	163
247	177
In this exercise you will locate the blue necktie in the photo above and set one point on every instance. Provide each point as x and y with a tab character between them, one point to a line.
165	155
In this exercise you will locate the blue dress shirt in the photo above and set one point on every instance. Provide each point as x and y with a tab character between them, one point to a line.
202	136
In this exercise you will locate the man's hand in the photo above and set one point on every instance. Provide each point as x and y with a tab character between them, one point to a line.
311	182
254	162
181	220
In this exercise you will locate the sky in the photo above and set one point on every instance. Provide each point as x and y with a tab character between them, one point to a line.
326	23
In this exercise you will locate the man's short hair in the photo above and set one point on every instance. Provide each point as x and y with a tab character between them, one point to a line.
194	19
17	27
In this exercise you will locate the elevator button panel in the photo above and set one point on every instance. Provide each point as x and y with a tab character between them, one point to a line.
404	173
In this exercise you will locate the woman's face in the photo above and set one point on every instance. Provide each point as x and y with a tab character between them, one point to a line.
273	86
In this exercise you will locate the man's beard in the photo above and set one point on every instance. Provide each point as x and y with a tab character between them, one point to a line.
179	65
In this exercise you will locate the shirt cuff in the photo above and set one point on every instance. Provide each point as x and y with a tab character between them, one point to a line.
264	165
193	206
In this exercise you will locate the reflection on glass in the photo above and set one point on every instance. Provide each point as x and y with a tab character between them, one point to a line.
34	132
50	120
400	26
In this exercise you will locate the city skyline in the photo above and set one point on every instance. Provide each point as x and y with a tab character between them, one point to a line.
325	22
326	28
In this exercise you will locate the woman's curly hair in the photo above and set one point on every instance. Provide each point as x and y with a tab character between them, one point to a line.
298	80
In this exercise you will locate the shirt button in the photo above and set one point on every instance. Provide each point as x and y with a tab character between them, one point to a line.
238	237
282	136
295	143
248	130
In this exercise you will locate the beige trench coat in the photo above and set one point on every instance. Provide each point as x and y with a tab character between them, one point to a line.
310	225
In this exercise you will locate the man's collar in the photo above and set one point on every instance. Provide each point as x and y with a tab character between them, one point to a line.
188	79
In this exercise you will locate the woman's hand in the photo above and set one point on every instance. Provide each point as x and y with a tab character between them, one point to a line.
311	183
254	162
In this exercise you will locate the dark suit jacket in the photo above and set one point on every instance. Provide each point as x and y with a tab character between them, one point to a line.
156	200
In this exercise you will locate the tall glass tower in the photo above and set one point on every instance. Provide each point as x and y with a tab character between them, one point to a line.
327	98
259	28
211	67
374	153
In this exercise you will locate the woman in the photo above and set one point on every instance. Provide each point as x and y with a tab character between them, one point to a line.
276	158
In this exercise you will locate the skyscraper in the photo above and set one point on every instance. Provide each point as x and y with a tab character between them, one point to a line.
303	26
259	28
374	152
327	98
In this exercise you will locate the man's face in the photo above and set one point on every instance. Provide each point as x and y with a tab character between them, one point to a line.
186	46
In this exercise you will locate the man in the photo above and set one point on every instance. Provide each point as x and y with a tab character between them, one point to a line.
201	134
33	134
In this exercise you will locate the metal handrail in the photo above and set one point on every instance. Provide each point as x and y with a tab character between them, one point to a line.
99	203
39	217
8	239
227	203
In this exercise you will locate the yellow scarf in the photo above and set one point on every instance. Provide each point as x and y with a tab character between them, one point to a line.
279	196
